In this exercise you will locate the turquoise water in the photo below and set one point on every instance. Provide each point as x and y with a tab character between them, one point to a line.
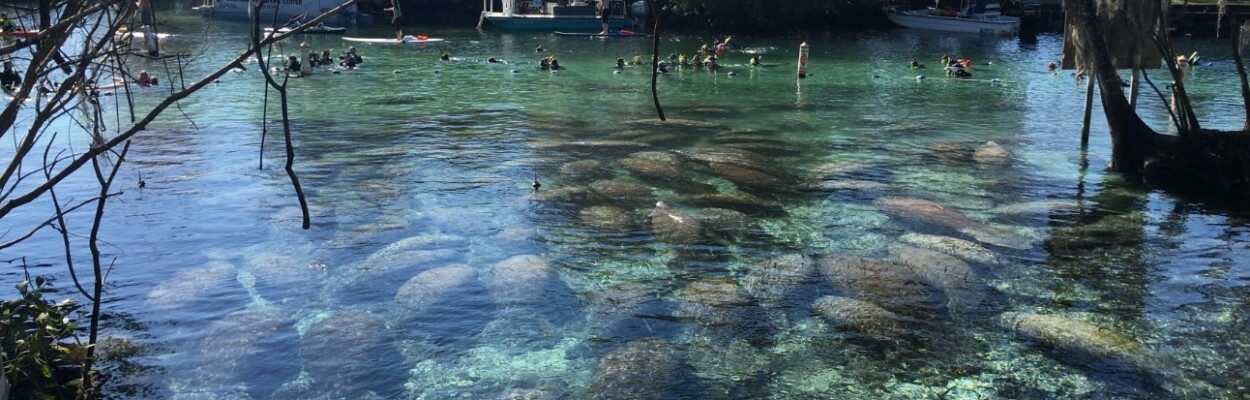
434	270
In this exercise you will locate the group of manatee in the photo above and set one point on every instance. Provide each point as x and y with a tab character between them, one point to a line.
691	200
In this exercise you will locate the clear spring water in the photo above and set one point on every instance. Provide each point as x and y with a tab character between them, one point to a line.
421	169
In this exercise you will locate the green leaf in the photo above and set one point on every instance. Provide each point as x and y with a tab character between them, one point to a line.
45	370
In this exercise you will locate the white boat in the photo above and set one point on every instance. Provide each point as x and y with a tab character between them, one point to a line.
285	9
537	15
975	17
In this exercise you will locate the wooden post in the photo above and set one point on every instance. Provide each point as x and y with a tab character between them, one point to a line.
1089	111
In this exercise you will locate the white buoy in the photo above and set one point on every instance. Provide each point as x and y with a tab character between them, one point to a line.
616	71
731	73
803	51
437	71
920	77
515	71
995	80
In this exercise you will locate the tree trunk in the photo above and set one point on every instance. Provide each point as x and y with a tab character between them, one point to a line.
1132	141
1241	73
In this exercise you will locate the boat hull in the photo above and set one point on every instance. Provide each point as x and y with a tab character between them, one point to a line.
518	22
997	26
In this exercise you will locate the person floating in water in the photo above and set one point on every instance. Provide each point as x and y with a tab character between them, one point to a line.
325	58
620	63
662	68
6	24
350	59
9	78
683	61
755	61
445	57
293	65
145	80
915	65
549	63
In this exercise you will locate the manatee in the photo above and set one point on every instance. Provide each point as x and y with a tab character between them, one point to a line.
747	177
621	310
282	275
949	150
857	315
432	286
714	302
582	169
528	394
766	149
351	351
964	289
522	279
560	195
729	156
837	170
726	221
771	280
953	246
1035	207
245	344
192	284
446	306
605	217
640	370
409	253
656	165
674	226
621	191
1075	336
931	213
431	241
744	202
992	153
892	286
834	185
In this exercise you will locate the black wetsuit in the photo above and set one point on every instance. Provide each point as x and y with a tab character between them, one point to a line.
10	78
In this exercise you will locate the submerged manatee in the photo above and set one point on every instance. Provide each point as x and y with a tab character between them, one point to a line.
446	306
525	280
953	246
245	344
193	284
621	191
352	352
951	151
931	213
1076	336
857	315
432	286
734	157
656	165
963	288
674	226
992	153
714	302
750	178
771	280
280	276
582	169
726	221
744	202
892	286
640	370
606	217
